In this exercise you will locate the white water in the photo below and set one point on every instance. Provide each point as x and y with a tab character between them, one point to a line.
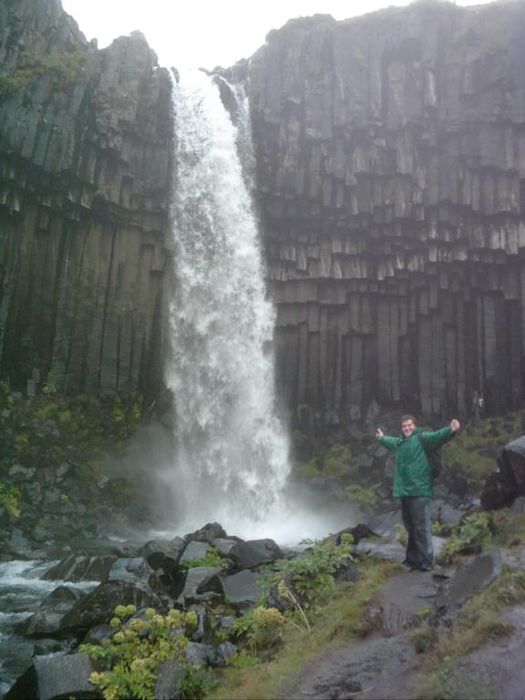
231	463
21	591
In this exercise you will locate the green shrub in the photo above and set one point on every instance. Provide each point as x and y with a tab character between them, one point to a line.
128	662
476	529
311	573
262	627
211	558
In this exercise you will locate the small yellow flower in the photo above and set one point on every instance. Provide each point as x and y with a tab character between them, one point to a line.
115	622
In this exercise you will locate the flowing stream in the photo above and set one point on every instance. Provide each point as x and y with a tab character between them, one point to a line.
232	449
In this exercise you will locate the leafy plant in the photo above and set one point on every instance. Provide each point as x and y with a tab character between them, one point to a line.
211	558
476	529
311	574
262	627
128	661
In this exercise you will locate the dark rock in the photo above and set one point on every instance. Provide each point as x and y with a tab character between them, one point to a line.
380	550
347	572
358	532
472	577
242	590
247	555
224	652
135	571
199	581
497	492
194	551
518	507
54	678
202	622
163	554
208	533
98	633
169	679
99	605
201	654
224	546
80	568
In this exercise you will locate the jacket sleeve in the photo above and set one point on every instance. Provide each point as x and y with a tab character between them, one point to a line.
390	443
433	440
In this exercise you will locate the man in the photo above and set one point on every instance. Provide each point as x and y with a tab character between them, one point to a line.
413	484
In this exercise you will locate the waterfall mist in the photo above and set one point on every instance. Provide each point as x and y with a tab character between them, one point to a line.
231	454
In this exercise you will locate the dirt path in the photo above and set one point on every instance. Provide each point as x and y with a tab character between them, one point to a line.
382	666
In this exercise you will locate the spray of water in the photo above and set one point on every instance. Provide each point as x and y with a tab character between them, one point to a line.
231	448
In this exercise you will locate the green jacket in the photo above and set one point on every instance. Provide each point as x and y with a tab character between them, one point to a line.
412	476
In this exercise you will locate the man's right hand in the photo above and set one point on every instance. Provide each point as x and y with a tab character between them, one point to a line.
379	433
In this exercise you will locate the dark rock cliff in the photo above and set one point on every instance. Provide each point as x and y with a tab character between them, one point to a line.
391	164
84	178
391	167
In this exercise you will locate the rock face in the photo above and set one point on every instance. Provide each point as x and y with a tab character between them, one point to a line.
390	180
391	164
84	176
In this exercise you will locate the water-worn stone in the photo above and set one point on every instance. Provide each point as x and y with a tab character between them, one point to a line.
242	589
169	679
99	605
194	551
135	571
199	581
164	554
201	654
470	578
80	568
248	555
208	533
380	550
55	677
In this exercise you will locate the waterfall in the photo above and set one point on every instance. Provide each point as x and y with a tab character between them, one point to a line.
231	461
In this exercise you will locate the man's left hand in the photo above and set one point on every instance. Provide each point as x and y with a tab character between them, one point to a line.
455	425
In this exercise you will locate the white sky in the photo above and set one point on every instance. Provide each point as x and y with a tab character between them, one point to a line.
206	33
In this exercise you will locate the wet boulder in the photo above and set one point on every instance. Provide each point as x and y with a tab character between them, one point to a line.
55	677
164	554
80	568
208	533
45	622
199	582
380	550
243	589
169	680
98	606
224	545
201	654
505	485
512	464
195	551
470	578
248	555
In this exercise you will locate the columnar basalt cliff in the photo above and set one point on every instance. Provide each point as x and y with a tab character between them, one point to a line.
391	165
84	179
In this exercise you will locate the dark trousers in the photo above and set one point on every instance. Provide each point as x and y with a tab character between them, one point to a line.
416	512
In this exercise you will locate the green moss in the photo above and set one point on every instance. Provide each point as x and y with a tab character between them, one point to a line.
61	67
472	454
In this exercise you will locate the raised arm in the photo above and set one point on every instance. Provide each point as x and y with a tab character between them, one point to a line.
439	437
391	443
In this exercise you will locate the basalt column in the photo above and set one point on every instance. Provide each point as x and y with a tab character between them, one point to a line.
391	177
84	182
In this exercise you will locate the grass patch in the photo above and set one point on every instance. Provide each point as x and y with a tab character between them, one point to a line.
473	451
342	618
480	622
